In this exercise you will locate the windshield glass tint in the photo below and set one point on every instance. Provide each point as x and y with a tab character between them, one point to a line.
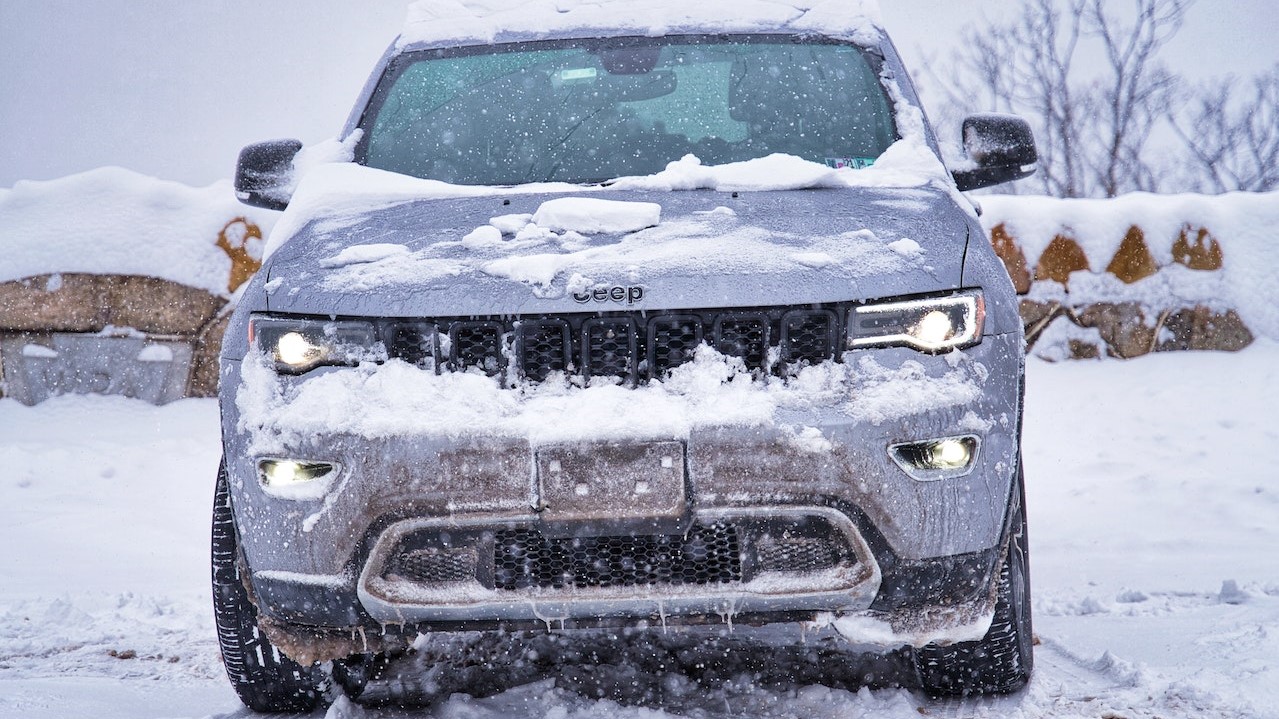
576	114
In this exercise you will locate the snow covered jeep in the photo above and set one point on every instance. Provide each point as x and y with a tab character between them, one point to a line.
602	317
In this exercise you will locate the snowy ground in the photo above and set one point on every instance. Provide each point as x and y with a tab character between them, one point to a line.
1154	509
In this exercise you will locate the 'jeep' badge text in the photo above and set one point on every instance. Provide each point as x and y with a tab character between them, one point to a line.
617	293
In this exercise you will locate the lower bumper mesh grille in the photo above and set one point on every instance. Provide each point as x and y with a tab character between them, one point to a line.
720	555
525	559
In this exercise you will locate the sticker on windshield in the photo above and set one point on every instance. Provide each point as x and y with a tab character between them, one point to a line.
579	73
857	163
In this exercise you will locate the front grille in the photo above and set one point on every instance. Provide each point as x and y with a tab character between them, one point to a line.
525	559
631	347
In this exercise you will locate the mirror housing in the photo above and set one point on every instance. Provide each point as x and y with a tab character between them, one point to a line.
264	173
1002	149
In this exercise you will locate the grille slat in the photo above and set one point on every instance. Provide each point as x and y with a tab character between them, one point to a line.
808	336
744	336
476	344
543	347
609	348
672	340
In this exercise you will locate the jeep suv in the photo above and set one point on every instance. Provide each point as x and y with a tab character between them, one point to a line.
603	323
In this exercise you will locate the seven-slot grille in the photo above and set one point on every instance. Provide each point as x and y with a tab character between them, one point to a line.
633	347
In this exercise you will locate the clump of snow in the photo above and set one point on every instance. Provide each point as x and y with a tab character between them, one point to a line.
808	439
363	254
156	353
906	247
511	224
325	152
590	216
40	351
463	22
774	172
115	221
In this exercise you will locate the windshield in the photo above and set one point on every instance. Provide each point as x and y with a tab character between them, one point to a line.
589	112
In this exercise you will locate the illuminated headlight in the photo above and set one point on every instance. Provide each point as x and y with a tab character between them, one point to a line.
930	325
296	479
298	345
937	458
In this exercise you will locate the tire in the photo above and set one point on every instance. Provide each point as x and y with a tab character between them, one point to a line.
1001	661
265	679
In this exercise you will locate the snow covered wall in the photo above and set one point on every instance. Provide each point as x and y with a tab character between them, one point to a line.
119	283
1140	273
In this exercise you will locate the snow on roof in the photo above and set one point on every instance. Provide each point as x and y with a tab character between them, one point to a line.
116	221
462	22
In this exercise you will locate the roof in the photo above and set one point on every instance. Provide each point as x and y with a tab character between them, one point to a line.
440	23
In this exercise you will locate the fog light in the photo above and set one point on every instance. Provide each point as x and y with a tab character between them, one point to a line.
937	458
295	479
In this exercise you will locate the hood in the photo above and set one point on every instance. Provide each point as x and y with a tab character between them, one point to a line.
621	249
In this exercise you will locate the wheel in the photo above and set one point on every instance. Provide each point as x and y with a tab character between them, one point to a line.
1001	661
265	679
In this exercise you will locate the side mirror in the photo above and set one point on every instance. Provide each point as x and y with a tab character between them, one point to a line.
1001	147
264	173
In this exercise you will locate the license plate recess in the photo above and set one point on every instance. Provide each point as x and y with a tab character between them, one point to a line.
618	485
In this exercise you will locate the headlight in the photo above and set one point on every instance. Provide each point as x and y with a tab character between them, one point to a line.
298	345
930	325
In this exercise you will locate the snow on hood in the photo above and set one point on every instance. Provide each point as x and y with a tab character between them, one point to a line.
116	221
458	22
548	252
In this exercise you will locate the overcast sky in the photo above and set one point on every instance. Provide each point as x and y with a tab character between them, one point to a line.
173	88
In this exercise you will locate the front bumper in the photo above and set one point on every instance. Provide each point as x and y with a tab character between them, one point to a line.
911	545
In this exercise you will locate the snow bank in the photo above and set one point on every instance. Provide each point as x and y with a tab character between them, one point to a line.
462	22
1132	542
115	221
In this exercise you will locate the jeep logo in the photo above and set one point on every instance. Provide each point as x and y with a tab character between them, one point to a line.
617	293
